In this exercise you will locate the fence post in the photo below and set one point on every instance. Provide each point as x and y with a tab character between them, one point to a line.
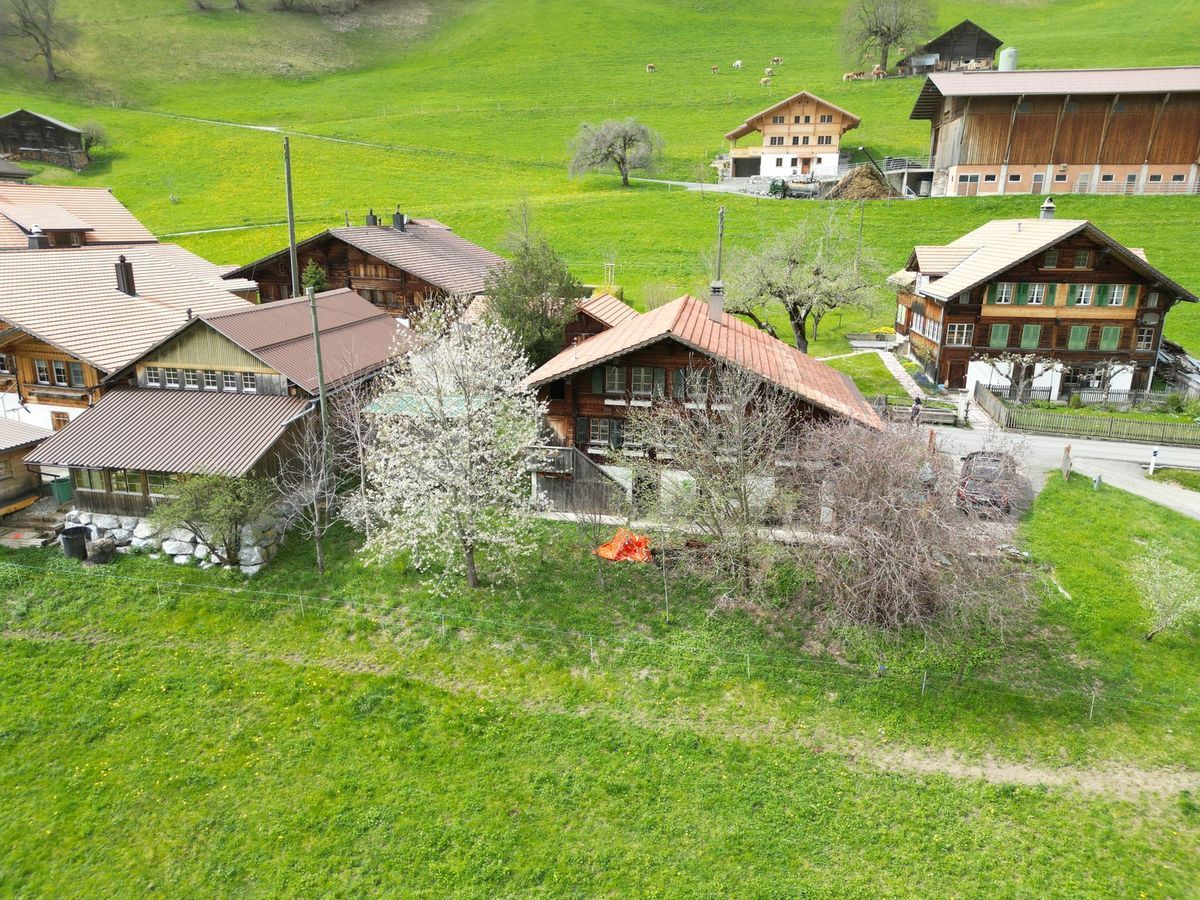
924	677
443	627
747	665
1092	709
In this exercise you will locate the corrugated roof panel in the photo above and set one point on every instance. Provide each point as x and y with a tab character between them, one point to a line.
110	222
17	434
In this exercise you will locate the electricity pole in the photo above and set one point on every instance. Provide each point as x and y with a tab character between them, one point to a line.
291	217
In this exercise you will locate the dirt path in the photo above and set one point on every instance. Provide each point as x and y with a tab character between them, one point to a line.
1119	782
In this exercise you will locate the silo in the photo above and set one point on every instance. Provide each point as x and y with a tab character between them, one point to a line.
1008	59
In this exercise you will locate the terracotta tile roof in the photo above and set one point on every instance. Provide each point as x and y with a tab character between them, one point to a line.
1000	244
69	298
686	320
172	431
357	337
15	434
749	126
608	310
426	248
108	220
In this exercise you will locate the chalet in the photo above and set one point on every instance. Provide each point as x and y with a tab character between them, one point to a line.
19	486
1133	131
593	383
43	216
30	135
11	172
398	267
217	395
800	136
1057	294
965	46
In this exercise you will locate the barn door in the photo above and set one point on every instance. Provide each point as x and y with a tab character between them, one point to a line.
956	379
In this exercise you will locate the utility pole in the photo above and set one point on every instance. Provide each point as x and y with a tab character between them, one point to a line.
312	307
720	239
291	217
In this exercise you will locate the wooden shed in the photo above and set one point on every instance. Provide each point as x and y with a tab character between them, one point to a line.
29	135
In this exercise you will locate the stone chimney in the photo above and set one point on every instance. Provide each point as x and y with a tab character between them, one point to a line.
38	239
1048	208
372	219
716	302
399	220
125	276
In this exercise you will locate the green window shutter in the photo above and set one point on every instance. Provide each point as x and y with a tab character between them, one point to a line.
1102	294
581	431
999	336
660	382
1079	337
1022	293
677	384
991	293
616	433
1110	337
1072	293
598	380
1031	335
1131	292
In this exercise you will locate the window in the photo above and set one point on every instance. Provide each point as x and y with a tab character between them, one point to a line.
59	420
126	481
989	178
191	379
1152	300
824	139
776	140
1106	177
1083	259
1037	295
807	120
5	469
827	119
8	364
1155	178
210	381
641	381
964	297
1071	106
1060	176
804	140
1084	294
960	334
1003	292
1014	177
171	377
229	381
1178	179
999	336
1031	336
60	372
614	379
1078	337
795	120
778	161
162	483
1110	337
249	383
795	140
1145	339
1118	294
1050	261
88	479
598	431
777	120
153	376
1024	107
43	371
1118	106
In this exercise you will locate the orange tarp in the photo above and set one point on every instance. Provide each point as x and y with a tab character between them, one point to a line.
626	546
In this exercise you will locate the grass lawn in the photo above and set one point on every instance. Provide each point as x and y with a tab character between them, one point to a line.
870	374
1106	412
1182	477
188	737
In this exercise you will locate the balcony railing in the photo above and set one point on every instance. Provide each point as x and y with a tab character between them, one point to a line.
900	163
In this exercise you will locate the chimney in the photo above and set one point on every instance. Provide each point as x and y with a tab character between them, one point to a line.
372	219
716	302
125	276
399	220
1048	208
38	239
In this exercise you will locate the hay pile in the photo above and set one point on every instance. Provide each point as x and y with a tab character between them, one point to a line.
861	183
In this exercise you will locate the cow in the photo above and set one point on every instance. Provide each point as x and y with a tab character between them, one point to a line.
877	72
776	60
651	67
765	82
737	64
716	69
768	71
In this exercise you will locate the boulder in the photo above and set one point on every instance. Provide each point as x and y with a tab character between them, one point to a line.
122	536
180	534
201	551
177	548
144	543
251	570
107	522
101	551
83	518
129	522
72	517
251	556
182	559
250	535
207	564
145	529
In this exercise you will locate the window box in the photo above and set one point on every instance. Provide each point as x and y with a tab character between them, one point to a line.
639	402
615	401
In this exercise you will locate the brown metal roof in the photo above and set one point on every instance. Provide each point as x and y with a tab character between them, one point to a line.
69	298
12	172
608	310
171	431
426	248
14	433
687	321
357	337
109	222
1055	82
750	126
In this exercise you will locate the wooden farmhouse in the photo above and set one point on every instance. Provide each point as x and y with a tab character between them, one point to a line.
219	394
800	136
642	359
30	135
19	485
1066	298
965	46
1130	131
398	267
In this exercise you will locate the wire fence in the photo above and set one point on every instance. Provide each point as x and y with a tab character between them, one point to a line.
630	652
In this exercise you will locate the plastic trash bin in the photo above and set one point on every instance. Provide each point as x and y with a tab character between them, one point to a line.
74	541
62	490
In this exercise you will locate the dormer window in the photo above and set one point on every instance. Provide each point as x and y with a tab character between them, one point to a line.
1083	259
1051	260
153	376
172	378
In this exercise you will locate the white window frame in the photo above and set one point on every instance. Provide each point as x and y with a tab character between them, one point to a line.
614	380
599	430
191	380
960	334
1145	339
229	381
1085	295
638	374
171	378
153	376
1004	293
249	383
61	377
1037	294
211	381
42	371
1118	295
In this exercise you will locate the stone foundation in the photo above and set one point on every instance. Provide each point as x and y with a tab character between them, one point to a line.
260	540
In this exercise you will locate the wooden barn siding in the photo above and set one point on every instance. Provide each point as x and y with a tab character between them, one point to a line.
1177	139
1033	132
1128	133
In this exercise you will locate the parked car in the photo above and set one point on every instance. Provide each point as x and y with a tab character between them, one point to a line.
987	481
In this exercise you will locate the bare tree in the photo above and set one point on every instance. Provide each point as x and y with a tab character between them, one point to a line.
872	27
37	21
1020	370
712	469
307	483
1169	591
352	432
809	271
628	145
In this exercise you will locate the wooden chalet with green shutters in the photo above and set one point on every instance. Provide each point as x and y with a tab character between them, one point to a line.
1059	298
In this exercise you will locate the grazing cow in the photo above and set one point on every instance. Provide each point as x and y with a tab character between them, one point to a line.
765	82
737	64
716	69
651	67
776	60
859	76
768	71
877	72
849	76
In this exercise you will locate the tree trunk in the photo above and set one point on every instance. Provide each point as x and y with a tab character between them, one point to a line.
884	50
51	75
472	574
1152	632
624	170
318	544
799	321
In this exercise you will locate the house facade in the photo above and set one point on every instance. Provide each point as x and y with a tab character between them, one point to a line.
800	137
398	266
1132	131
1052	303
965	46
